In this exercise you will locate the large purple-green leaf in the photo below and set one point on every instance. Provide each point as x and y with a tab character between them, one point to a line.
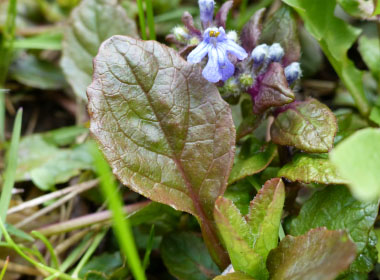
318	254
238	239
164	129
91	23
308	168
271	89
307	125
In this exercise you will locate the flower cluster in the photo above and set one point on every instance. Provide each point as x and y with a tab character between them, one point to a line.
234	68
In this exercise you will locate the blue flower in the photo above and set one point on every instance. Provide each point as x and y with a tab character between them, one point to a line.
217	46
206	9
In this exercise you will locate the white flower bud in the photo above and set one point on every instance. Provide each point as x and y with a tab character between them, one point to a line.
276	52
180	33
259	54
293	72
232	35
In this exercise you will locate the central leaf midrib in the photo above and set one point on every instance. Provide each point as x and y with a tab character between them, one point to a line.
193	195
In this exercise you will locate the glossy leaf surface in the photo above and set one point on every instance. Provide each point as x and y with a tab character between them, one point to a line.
238	239
264	216
164	129
335	208
308	125
92	22
253	164
318	254
249	239
309	168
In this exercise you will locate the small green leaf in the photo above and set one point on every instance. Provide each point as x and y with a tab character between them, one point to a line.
32	72
186	257
91	23
358	8
47	165
370	52
175	144
106	263
19	233
249	239
357	159
366	260
318	254
307	125
281	28
254	163
238	239
335	208
264	216
234	276
375	115
308	168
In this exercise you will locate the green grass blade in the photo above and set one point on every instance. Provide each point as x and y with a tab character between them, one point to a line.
6	48
49	247
149	248
121	225
150	17
10	169
98	238
77	252
41	266
4	269
140	7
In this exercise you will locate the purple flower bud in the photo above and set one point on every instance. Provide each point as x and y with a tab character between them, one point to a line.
276	52
293	72
259	54
206	8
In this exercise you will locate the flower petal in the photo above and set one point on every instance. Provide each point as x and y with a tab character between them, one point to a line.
235	49
198	53
211	71
226	68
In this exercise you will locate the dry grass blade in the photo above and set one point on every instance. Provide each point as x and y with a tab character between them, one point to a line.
44	198
88	220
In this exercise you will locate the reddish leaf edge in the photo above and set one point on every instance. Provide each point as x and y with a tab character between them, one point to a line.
220	255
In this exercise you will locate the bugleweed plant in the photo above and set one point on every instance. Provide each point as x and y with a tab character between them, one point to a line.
161	118
247	135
